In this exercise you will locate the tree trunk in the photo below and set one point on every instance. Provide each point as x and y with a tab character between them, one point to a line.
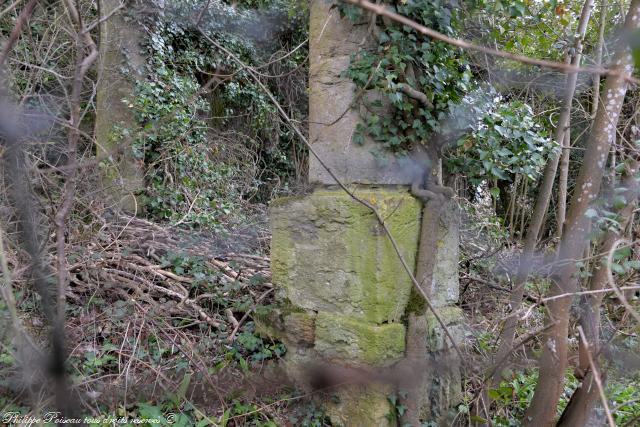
512	206
120	47
553	361
523	216
544	195
563	180
599	48
579	408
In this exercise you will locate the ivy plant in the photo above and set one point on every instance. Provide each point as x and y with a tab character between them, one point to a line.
194	92
419	78
427	89
502	139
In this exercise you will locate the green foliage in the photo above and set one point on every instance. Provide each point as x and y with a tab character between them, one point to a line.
94	362
503	141
485	343
512	397
397	408
191	92
185	180
499	139
537	29
624	398
540	29
309	415
403	57
622	261
245	414
249	346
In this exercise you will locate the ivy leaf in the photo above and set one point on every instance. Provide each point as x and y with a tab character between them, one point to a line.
633	264
619	202
501	130
617	268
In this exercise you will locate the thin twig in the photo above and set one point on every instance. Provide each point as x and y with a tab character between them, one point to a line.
246	315
24	16
9	8
596	377
102	19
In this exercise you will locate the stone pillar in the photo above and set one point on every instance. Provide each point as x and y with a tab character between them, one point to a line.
332	120
442	386
121	63
342	288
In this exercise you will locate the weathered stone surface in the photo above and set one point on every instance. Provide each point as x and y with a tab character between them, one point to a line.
120	63
291	325
444	289
343	338
300	328
444	389
332	118
359	406
439	387
330	254
436	338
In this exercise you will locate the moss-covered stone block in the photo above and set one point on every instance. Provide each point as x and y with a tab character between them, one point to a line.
359	406
287	323
342	338
329	253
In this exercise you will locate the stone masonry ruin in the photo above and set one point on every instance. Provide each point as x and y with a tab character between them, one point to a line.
343	291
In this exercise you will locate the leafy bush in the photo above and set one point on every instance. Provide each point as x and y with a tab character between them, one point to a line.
184	180
195	93
512	397
624	401
502	139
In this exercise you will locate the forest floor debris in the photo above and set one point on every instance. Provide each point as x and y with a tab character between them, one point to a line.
160	321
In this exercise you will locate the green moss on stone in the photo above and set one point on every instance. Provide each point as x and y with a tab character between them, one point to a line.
330	254
416	303
361	406
350	339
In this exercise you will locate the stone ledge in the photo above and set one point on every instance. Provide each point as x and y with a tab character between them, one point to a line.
437	340
341	338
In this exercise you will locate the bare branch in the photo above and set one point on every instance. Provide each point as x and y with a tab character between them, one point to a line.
415	94
613	284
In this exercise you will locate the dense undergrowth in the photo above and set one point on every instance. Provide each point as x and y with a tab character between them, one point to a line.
160	316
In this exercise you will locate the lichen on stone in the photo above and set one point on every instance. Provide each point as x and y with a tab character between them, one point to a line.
342	338
330	254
